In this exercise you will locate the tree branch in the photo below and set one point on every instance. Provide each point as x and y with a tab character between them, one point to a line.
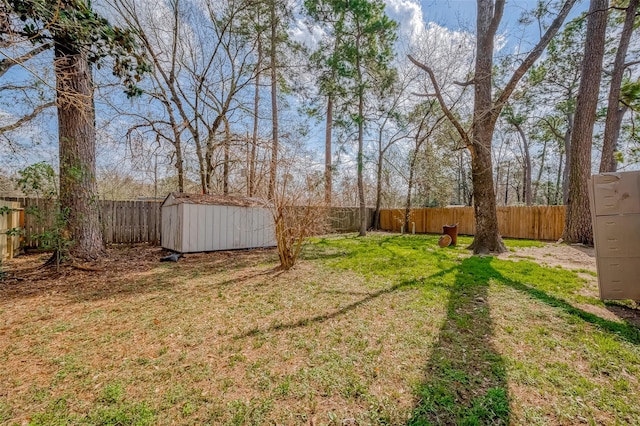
463	134
6	64
465	83
632	63
24	119
533	56
497	17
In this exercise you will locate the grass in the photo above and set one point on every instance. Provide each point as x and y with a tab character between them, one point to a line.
384	330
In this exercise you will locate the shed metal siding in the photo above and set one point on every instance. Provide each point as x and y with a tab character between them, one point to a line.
171	237
190	228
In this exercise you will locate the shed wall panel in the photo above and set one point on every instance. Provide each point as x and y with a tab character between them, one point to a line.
216	234
269	229
225	219
249	230
192	228
238	225
259	228
208	228
171	229
230	219
202	228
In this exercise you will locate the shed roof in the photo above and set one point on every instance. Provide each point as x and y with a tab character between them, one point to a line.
207	199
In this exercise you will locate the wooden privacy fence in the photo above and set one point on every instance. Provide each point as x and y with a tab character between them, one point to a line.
130	221
11	217
347	219
535	222
121	221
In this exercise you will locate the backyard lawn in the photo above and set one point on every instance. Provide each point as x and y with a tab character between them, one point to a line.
382	330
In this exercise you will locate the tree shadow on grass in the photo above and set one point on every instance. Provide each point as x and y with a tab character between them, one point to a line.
624	330
466	382
368	297
466	377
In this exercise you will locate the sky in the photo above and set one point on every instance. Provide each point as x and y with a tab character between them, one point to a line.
414	17
460	15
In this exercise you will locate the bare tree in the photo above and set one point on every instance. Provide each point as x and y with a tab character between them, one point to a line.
199	72
273	72
427	118
485	113
517	121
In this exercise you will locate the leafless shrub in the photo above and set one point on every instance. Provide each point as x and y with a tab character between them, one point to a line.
298	211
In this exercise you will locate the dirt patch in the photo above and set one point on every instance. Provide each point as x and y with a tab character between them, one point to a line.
574	257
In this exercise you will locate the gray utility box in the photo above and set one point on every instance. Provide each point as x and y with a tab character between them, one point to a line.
615	211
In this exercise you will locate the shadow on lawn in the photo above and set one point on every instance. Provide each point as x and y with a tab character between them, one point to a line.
129	271
465	376
325	317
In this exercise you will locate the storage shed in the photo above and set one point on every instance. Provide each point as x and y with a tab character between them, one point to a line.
195	223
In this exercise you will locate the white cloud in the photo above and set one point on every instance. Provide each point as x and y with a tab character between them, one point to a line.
408	15
310	36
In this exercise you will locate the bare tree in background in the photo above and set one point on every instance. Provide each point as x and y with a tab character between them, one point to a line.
485	113
199	72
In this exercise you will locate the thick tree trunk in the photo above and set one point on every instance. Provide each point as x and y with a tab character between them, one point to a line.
77	145
273	168
578	227
327	153
613	121
487	237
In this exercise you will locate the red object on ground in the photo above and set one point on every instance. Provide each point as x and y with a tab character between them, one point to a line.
452	231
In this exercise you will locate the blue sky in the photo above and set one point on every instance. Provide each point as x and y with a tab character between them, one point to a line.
461	14
454	15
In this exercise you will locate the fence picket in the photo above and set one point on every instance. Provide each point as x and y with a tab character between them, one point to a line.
535	222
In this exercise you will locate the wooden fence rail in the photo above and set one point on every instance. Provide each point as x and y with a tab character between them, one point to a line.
11	215
535	222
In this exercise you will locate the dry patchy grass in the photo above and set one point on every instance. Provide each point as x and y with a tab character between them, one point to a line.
381	330
217	338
